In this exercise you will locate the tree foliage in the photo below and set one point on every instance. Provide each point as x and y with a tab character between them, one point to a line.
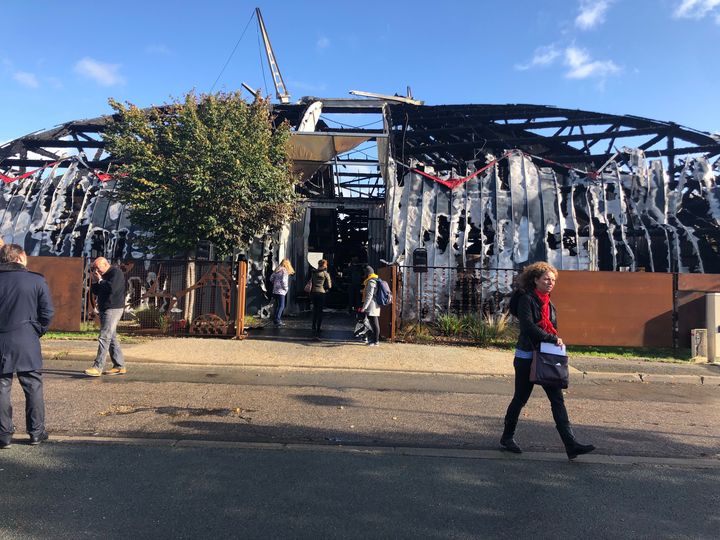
209	168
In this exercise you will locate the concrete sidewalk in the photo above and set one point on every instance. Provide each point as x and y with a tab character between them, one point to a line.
389	357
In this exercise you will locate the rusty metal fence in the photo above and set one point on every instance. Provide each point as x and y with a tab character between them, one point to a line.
448	290
636	309
175	297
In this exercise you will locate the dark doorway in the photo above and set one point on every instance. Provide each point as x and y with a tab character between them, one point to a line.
341	236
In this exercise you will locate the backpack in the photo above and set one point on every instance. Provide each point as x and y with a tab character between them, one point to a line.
383	295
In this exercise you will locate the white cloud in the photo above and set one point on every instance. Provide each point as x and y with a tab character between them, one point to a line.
592	13
583	67
100	72
697	9
543	56
322	43
26	79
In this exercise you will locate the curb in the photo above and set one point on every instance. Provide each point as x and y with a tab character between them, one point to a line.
587	376
703	380
452	453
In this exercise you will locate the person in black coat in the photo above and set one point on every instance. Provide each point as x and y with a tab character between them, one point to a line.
25	313
538	323
109	288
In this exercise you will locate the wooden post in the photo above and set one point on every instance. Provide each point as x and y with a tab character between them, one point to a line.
388	314
240	309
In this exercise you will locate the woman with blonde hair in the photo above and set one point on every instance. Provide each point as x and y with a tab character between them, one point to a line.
280	279
530	303
321	283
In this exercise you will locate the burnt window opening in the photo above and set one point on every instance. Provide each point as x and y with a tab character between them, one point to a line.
443	233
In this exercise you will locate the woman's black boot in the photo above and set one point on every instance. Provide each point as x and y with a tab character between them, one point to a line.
572	447
507	442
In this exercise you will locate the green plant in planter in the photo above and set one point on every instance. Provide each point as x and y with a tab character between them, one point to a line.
164	323
449	325
477	330
88	326
149	317
417	332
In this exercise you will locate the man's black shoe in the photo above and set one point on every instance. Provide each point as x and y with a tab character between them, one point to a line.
37	439
4	445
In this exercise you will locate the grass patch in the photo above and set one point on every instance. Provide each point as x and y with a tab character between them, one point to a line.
85	336
656	354
252	321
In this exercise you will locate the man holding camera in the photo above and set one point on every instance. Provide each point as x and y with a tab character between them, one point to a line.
109	288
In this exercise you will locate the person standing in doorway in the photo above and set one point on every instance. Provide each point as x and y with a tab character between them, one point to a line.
370	306
538	323
321	283
109	288
25	313
280	280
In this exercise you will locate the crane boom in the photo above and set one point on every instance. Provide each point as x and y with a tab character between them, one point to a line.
280	90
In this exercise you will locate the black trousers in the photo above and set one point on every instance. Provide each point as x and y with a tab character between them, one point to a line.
375	325
32	385
318	304
523	389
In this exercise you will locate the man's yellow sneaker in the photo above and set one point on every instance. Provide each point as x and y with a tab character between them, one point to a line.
93	372
116	371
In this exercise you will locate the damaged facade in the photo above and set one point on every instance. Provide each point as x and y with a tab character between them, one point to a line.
582	190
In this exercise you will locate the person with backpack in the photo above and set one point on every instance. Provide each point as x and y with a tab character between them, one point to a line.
530	303
370	305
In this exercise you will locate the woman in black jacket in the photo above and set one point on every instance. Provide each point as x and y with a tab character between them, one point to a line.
321	283
538	323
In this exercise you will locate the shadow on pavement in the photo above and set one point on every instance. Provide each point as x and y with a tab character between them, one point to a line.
146	492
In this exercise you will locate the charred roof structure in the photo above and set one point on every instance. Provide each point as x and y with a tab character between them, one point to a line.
476	186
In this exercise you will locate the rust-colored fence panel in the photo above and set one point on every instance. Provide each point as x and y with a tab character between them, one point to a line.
388	314
64	276
699	282
691	302
615	308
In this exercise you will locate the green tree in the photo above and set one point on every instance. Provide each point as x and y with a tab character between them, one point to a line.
209	168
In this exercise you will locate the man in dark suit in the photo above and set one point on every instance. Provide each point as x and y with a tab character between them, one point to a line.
25	313
109	287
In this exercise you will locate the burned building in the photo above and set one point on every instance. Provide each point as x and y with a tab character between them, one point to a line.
480	188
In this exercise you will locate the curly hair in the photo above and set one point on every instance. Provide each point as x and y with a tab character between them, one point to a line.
526	279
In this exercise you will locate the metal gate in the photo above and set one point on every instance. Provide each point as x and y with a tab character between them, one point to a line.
179	297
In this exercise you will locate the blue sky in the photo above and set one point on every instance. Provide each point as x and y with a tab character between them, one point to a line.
652	58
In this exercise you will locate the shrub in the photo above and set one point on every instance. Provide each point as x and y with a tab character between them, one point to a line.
449	325
497	325
417	332
150	317
89	326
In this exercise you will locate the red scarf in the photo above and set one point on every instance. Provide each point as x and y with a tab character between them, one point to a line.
544	321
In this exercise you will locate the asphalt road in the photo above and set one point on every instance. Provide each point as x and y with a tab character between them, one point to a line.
372	408
197	452
66	490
